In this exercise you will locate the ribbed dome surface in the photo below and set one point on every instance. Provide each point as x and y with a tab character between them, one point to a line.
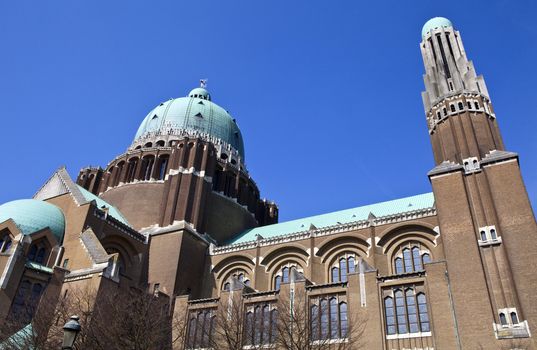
194	113
31	215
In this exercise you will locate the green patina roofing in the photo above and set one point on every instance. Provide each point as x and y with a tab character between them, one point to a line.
392	207
194	113
38	267
113	211
434	23
31	215
20	340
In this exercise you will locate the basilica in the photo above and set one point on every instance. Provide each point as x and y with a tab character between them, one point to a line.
178	216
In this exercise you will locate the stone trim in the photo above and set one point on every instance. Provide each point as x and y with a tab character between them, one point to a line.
325	231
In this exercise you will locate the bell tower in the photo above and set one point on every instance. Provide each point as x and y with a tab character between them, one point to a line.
486	220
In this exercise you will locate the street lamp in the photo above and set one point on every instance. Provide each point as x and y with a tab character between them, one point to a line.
70	331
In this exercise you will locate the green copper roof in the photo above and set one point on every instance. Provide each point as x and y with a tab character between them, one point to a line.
20	340
194	113
38	267
31	215
113	211
434	23
396	206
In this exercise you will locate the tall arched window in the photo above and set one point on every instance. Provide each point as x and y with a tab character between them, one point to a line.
503	319
285	275
401	312
277	282
324	319
343	269
147	168
260	324
409	312
344	265
514	317
461	106
410	257
343	319
389	312
399	265
328	317
416	257
200	329
334	318
163	166
314	314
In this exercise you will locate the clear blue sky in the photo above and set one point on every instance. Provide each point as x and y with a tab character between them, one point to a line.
327	93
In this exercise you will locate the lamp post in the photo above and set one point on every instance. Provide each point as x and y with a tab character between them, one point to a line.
70	331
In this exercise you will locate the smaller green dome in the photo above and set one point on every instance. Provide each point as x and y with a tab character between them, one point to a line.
31	215
435	23
200	93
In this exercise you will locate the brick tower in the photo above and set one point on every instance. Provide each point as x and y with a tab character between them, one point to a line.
485	217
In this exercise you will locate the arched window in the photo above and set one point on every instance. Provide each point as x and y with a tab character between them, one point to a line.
314	314
351	264
503	319
408	260
452	107
266	325
343	269
274	325
160	143
411	311
410	257
257	324
423	313
476	104
444	110
249	328
260	326
335	274
389	312
469	104
483	235
200	329
163	166
514	318
131	169
426	258
399	265
416	257
334	322
493	234
324	319
227	286
343	319
239	275
285	275
277	282
461	106
401	312
344	265
147	168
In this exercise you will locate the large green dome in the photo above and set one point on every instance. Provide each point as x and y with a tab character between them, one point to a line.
31	215
195	112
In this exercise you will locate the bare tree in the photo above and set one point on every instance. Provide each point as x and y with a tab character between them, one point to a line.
111	319
298	331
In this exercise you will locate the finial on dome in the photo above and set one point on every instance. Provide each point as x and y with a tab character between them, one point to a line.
435	23
203	83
